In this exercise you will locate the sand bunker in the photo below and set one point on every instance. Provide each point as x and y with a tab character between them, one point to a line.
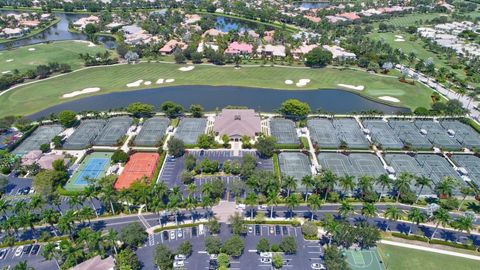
302	82
388	98
288	82
90	44
399	36
189	68
169	80
147	83
31	49
9	60
399	40
82	92
5	72
353	87
135	84
160	81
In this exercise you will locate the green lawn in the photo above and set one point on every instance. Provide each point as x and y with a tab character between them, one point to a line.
61	51
412	19
40	95
415	46
399	258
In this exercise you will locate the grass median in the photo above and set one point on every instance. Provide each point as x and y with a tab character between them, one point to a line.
34	97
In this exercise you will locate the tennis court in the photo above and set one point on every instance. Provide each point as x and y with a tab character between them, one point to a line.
190	129
113	131
409	134
349	132
322	133
402	163
365	259
139	165
464	133
284	131
42	135
471	163
353	164
152	131
294	164
382	134
436	168
437	135
94	166
85	134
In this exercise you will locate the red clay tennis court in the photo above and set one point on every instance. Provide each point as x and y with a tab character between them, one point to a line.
139	165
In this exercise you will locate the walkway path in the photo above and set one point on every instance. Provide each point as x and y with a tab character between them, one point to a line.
440	251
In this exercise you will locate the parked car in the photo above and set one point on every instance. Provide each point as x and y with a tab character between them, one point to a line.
266	254
213	256
178	264
180	257
179	233
250	229
272	230
212	265
194	231
318	266
35	249
165	235
27	249
257	229
172	235
3	253
277	230
18	251
266	260
285	230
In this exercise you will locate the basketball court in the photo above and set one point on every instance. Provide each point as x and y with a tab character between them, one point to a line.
364	259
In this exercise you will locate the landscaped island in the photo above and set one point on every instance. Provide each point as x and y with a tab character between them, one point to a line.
40	95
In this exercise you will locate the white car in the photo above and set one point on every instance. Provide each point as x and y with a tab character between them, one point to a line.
180	257
318	266
266	260
178	264
179	233
172	235
18	251
266	254
213	256
262	207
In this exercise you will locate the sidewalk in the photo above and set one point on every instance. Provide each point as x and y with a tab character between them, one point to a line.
440	251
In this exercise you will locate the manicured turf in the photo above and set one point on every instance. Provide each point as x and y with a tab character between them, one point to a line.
63	52
413	19
399	258
37	96
415	46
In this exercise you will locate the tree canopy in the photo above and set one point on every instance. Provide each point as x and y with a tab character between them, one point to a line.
294	108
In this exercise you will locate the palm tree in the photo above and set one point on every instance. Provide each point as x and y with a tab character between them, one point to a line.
292	202
22	266
111	237
465	191
347	183
191	189
331	226
345	209
445	187
384	182
463	223
416	216
369	210
90	193
251	201
49	252
392	213
272	200
190	205
206	204
75	201
290	184
207	189
4	206
308	182
365	184
86	213
328	181
36	202
314	202
422	182
28	219
441	217
50	217
173	204
402	184
54	199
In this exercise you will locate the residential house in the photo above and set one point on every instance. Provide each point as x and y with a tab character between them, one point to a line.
31	157
171	46
96	263
302	50
349	16
236	48
268	36
203	45
82	22
339	52
272	50
45	162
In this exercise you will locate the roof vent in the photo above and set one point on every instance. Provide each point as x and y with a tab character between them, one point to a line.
237	117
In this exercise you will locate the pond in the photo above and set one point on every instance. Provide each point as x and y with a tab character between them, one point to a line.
226	24
217	97
312	4
57	32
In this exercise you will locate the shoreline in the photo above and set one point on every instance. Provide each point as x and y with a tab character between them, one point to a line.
31	34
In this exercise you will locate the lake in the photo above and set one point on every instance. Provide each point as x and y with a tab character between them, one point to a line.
57	32
226	24
217	97
312	5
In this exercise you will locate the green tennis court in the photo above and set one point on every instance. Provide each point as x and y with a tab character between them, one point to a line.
365	259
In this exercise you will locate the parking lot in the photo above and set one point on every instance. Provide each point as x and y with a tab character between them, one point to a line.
18	186
173	167
308	252
9	257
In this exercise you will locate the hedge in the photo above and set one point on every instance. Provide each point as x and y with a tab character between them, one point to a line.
276	167
26	134
433	241
410	237
157	230
294	223
28	242
288	146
